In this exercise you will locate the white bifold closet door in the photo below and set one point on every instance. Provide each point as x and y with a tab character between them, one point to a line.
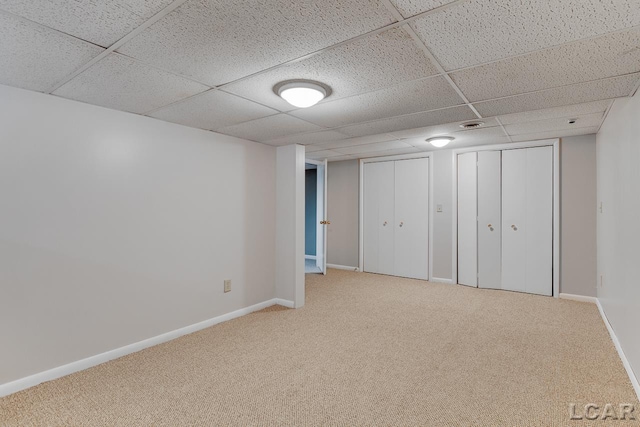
467	219
396	218
489	219
412	218
527	225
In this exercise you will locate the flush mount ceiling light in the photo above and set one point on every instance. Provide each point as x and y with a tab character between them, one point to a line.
440	141
302	93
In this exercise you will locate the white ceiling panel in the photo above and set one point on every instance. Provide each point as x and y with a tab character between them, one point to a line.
555	134
406	98
550	113
607	56
567	95
411	121
384	153
324	154
351	142
308	138
445	129
370	148
413	7
212	110
481	31
217	41
125	84
36	58
468	138
269	128
102	22
348	69
341	158
555	124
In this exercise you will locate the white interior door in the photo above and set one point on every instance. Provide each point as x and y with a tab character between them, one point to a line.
378	200
411	236
321	216
514	214
467	219
539	221
489	219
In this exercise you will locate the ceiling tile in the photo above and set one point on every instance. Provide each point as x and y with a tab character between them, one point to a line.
445	129
555	134
550	113
567	95
369	148
384	153
36	58
467	138
341	158
269	128
124	84
217	41
411	121
481	31
101	22
365	65
413	7
212	110
607	56
555	124
350	142
308	138
406	98
324	154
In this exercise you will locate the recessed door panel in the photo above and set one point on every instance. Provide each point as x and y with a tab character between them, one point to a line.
467	220
514	215
489	219
378	236
412	218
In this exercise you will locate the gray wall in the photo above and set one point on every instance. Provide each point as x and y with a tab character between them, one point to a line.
442	195
618	158
342	210
310	210
578	215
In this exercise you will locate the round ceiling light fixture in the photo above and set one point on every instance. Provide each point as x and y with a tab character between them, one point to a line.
302	93
440	141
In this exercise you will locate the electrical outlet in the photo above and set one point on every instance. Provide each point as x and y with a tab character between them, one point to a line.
227	285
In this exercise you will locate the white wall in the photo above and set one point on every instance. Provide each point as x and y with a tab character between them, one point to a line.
115	228
578	215
342	211
618	159
442	221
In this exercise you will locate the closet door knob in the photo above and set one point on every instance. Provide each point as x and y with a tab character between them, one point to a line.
384	224
401	223
514	227
490	227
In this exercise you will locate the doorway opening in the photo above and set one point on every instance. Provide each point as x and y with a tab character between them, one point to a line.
315	253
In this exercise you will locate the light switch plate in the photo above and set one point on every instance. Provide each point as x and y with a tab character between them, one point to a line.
439	208
227	286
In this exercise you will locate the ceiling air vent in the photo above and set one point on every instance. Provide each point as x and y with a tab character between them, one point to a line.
471	125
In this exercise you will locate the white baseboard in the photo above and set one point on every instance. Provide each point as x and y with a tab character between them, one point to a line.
284	302
342	267
580	298
439	280
80	365
625	361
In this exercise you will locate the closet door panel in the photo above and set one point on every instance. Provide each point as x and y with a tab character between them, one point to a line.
539	220
371	199
386	187
514	214
467	220
412	218
489	219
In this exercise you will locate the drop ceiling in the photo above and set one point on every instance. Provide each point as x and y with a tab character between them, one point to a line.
400	71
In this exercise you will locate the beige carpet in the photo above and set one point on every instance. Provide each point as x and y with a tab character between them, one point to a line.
365	350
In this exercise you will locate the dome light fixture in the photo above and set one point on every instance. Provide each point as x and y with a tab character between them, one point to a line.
302	93
440	141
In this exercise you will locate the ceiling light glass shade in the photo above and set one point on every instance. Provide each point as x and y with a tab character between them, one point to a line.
440	141
302	94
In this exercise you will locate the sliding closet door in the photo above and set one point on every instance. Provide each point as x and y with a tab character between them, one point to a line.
527	226
412	218
489	219
378	238
467	220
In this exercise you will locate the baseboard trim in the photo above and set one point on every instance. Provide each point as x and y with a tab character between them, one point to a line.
342	267
285	303
439	280
625	361
80	365
581	298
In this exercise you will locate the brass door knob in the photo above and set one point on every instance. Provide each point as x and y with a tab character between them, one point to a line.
490	227
325	222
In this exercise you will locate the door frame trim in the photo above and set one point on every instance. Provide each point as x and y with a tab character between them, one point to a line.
555	143
428	155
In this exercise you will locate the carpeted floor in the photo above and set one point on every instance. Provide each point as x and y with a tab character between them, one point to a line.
365	350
